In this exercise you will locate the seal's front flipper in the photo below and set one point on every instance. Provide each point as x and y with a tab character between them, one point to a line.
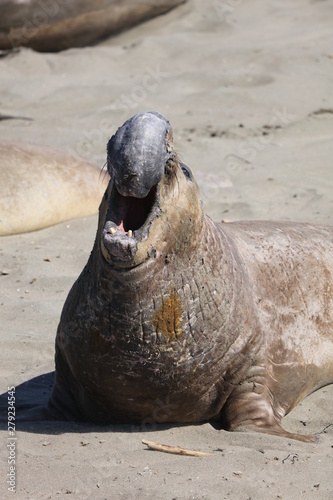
275	430
253	411
61	405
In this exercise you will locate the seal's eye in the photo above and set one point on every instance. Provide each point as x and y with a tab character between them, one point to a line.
186	171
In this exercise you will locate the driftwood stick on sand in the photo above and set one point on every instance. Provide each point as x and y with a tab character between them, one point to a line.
152	445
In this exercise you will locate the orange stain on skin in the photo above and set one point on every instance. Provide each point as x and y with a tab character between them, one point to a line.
167	320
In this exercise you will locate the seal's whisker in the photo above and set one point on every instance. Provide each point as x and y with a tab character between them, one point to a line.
103	172
179	156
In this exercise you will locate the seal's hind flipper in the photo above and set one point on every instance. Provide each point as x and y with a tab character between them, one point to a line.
275	430
253	412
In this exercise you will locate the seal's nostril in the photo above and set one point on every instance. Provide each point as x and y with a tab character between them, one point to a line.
128	178
130	175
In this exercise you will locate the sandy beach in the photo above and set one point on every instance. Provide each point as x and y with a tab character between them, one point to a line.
248	89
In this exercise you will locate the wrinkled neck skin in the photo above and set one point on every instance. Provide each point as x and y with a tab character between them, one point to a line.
186	257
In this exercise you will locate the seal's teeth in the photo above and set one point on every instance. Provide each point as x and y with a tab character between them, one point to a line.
130	233
112	230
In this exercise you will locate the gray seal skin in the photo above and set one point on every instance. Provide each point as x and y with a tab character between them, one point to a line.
54	25
137	154
178	319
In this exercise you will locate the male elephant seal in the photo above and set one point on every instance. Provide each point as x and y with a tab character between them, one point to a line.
53	25
40	187
178	319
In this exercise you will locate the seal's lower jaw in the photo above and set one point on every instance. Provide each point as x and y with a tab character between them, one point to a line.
127	225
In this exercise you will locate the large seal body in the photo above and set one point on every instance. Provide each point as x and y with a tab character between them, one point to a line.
178	319
50	26
40	186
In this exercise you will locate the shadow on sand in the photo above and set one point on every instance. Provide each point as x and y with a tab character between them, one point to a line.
32	415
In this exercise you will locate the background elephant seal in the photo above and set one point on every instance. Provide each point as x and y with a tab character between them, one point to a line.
178	319
40	187
53	25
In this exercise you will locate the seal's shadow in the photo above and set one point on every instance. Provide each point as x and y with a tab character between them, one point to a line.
31	398
31	413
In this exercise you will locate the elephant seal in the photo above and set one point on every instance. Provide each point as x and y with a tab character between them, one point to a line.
40	187
178	319
54	25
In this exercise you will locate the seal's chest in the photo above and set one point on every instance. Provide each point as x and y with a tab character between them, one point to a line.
159	321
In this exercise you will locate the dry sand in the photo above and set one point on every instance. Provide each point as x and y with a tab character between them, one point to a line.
248	88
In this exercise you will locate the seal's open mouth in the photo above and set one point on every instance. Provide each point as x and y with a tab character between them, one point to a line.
131	213
127	223
137	155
